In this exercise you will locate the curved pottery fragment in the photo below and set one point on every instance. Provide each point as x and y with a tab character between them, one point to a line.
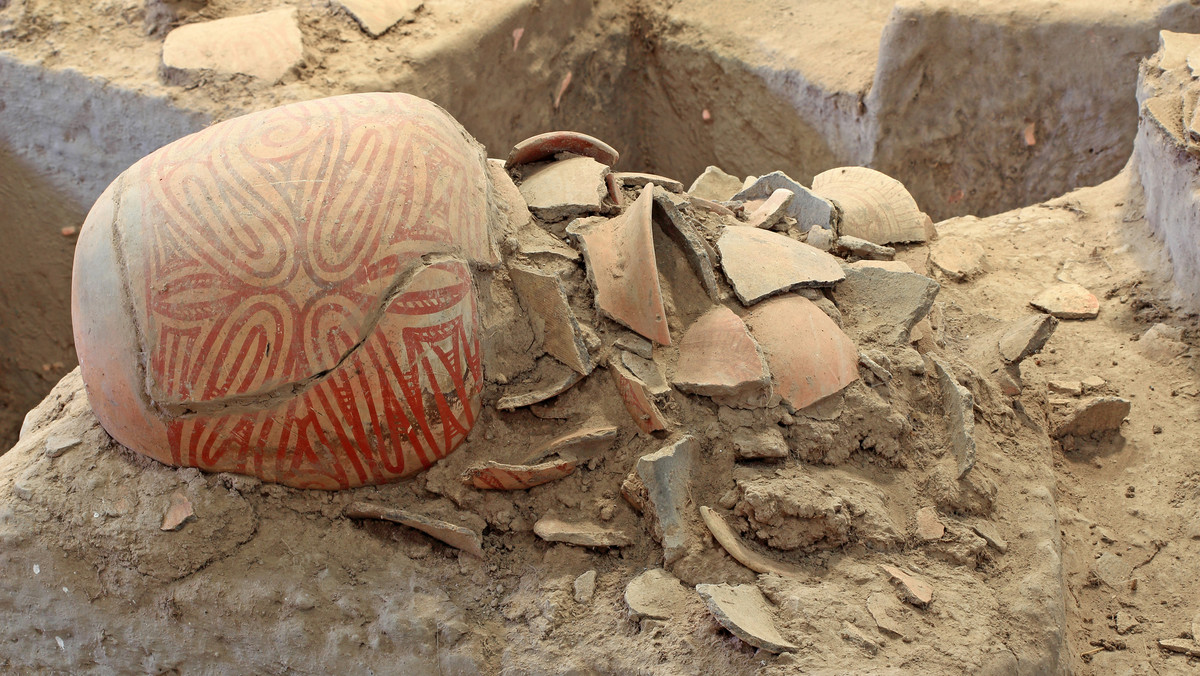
808	355
549	144
287	294
875	206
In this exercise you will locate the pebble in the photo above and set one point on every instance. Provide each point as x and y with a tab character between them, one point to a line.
1099	415
987	531
929	526
585	587
1125	622
958	258
1071	387
821	238
755	444
913	589
959	404
56	445
883	609
1112	570
1092	383
715	185
746	613
22	492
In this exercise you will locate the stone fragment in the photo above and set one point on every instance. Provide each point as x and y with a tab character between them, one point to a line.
683	231
715	185
710	206
1067	301
1093	383
757	444
809	210
808	356
874	206
665	476
573	186
581	534
637	179
265	45
958	258
959	404
1125	622
929	526
585	587
1025	337
647	371
771	212
545	302
376	16
877	370
637	398
619	255
760	263
725	536
554	379
719	358
57	444
1097	416
853	635
1162	343
882	305
501	477
987	531
1111	569
820	238
891	266
1180	645
635	344
579	445
884	609
178	513
655	594
853	246
22	491
912	589
745	612
1073	388
458	537
549	144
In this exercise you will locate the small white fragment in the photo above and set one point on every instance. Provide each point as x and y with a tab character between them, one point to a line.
59	641
66	591
37	570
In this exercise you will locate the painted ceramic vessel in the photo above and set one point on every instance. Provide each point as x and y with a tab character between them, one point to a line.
288	294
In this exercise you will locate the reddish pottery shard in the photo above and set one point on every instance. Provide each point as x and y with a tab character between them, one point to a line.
772	210
500	477
719	358
179	513
619	254
544	300
544	146
456	536
637	179
265	45
761	263
241	306
637	399
808	355
914	590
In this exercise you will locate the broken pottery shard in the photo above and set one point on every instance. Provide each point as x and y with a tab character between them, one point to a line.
1026	337
715	185
579	445
458	537
724	534
637	179
683	232
666	476
376	16
883	609
987	531
178	513
647	371
854	635
637	398
760	263
745	612
619	255
581	534
710	206
874	206
719	358
757	444
890	266
614	192
929	526
958	258
808	356
554	380
883	305
544	146
853	246
543	298
585	586
56	445
1067	301
265	45
635	344
821	239
1098	416
959	404
514	212
501	477
808	208
655	594
772	211
1162	342
1175	48
1180	645
913	589
570	187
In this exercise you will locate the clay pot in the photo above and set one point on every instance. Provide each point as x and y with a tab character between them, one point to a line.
288	294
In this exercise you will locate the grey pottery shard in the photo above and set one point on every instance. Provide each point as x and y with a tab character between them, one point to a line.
715	185
959	404
746	613
570	187
808	208
1026	337
884	305
761	263
875	206
543	298
681	230
666	476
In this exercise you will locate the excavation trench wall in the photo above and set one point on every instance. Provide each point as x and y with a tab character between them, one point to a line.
955	88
